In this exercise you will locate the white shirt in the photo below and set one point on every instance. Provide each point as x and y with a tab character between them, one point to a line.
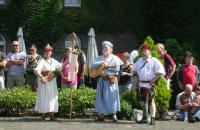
149	70
133	55
178	102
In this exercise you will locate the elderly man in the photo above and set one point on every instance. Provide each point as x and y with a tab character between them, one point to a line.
188	91
107	95
169	63
15	65
149	70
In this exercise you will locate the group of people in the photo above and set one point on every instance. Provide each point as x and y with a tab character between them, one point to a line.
147	70
40	74
117	78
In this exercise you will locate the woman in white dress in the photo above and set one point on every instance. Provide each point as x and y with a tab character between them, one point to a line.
47	92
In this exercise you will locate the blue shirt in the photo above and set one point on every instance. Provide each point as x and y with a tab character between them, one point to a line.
16	69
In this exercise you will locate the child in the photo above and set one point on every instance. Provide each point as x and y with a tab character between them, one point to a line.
185	99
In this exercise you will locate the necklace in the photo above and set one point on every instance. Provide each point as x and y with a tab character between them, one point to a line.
49	61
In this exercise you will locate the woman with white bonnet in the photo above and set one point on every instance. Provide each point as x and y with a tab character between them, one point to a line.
107	94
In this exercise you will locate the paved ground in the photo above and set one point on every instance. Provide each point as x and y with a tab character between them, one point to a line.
34	123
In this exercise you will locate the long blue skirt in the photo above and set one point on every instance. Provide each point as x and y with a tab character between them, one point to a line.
107	97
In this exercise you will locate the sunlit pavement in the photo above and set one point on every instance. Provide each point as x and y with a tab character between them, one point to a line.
35	123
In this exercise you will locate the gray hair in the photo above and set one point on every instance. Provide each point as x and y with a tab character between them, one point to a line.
161	45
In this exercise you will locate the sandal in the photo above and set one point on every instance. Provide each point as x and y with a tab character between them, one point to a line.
99	119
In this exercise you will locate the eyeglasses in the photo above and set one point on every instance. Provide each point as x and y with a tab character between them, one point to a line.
15	45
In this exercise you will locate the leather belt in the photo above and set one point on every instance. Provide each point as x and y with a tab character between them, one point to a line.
143	81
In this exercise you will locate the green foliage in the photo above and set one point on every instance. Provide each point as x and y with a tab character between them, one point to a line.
16	99
178	50
129	101
149	41
126	110
81	98
12	101
47	20
162	96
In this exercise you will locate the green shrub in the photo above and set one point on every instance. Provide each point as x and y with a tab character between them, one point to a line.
126	110
177	50
12	101
149	41
162	96
81	98
16	99
129	101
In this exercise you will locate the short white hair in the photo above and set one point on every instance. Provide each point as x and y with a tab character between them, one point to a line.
161	45
104	43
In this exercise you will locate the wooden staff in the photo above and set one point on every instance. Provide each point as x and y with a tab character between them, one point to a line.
73	37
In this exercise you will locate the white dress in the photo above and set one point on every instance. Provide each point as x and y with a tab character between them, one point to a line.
47	94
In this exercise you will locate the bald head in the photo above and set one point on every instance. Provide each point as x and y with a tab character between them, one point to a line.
15	43
15	46
188	89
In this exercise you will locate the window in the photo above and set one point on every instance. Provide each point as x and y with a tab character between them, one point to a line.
2	2
72	3
68	41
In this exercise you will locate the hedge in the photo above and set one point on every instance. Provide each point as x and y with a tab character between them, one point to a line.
20	99
13	101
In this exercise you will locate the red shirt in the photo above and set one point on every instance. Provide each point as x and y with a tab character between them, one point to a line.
189	75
